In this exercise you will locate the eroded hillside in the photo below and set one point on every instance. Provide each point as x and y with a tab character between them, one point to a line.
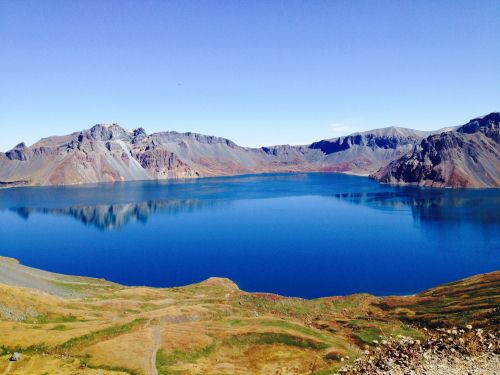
109	153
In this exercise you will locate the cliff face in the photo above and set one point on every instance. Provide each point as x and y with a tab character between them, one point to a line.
464	157
96	155
467	157
108	153
364	153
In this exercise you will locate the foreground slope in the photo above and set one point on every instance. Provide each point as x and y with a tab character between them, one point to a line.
74	325
107	153
467	157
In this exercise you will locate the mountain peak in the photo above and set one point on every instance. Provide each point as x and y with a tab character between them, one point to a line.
480	122
107	132
20	146
138	131
493	116
100	126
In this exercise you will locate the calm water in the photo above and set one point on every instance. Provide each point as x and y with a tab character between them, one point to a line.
303	235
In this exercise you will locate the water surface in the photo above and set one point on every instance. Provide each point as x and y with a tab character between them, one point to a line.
305	235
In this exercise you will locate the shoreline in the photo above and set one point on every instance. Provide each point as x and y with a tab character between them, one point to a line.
174	179
89	326
4	185
34	271
38	272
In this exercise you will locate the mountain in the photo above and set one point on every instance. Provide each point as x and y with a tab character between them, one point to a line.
457	157
360	153
467	157
107	153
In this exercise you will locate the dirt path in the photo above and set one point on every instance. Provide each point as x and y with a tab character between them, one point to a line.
155	333
7	370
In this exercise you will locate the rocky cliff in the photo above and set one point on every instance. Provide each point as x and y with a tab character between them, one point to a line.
463	157
108	153
467	157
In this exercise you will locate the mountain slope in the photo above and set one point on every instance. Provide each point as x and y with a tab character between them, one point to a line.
467	157
108	153
76	325
361	153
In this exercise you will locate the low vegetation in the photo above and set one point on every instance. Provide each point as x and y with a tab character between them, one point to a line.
166	360
214	328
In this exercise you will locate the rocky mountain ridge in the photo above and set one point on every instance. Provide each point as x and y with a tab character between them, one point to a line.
467	157
109	153
106	153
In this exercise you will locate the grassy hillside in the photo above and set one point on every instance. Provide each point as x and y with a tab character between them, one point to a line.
88	326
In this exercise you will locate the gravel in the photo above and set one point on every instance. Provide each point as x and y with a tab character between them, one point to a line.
445	352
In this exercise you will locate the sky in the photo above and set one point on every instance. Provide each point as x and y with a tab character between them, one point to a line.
259	72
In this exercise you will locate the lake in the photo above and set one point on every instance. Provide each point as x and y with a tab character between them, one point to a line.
305	235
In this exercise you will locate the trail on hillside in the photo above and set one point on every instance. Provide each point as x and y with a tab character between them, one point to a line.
7	370
155	332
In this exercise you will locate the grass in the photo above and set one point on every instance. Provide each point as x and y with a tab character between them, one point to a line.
165	360
71	287
101	335
244	330
44	319
467	301
270	338
32	349
237	322
368	335
295	327
114	368
59	327
366	331
148	307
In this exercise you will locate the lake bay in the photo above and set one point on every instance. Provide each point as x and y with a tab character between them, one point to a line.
305	235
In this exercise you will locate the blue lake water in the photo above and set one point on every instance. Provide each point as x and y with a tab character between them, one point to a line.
306	235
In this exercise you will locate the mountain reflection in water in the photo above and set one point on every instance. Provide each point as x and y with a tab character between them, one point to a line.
116	216
118	205
434	205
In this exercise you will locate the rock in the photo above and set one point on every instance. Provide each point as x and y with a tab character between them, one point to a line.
107	152
467	157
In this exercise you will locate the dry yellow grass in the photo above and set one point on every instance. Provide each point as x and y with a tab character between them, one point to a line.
206	328
136	345
49	365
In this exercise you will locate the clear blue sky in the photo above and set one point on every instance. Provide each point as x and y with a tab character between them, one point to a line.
259	72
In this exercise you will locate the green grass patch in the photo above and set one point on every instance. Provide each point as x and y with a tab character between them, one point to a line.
103	334
148	307
367	335
269	338
114	368
366	331
59	327
4	350
410	332
237	322
45	319
71	287
110	368
165	360
295	327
